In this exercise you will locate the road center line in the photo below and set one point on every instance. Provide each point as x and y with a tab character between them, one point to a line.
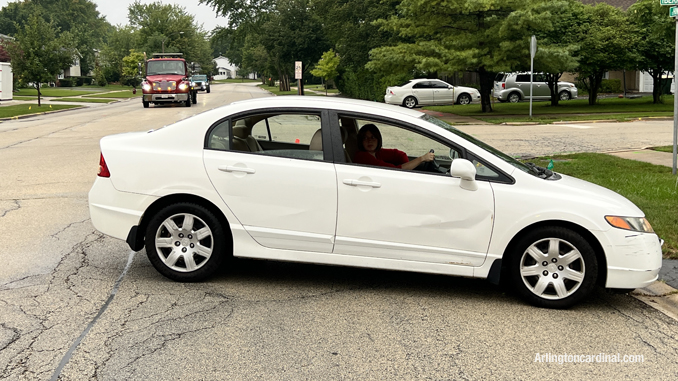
71	350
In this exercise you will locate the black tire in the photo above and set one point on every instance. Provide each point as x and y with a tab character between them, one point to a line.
174	248
194	97
564	95
146	104
208	89
513	97
410	102
545	282
464	99
188	101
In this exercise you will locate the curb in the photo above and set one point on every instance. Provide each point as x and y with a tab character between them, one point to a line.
659	296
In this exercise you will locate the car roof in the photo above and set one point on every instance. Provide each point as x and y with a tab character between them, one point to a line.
337	103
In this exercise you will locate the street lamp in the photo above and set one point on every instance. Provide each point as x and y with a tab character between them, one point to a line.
163	42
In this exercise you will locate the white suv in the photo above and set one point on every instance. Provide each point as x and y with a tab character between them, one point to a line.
514	87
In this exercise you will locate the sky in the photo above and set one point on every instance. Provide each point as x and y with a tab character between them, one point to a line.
115	11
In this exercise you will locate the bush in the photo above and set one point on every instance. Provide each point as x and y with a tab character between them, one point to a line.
611	86
84	81
364	84
131	81
65	82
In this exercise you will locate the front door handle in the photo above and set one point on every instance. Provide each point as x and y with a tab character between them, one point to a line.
356	183
230	168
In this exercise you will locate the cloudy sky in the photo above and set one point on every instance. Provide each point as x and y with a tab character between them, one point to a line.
116	11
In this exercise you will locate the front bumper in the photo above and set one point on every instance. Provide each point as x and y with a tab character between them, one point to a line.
633	260
176	97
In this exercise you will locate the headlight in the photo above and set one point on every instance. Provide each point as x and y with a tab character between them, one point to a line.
637	224
146	87
183	86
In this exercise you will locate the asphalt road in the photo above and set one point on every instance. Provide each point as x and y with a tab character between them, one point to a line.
81	305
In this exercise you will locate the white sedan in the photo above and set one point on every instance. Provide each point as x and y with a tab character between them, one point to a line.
275	178
422	92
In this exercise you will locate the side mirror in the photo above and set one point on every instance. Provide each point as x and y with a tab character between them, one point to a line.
450	87
140	66
465	170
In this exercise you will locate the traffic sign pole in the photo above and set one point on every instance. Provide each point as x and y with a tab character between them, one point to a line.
675	104
533	51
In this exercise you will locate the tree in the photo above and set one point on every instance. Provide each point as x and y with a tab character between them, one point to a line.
170	28
607	41
484	36
79	18
130	66
38	55
656	44
119	42
326	68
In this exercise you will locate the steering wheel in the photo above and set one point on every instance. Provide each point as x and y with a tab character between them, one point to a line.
431	166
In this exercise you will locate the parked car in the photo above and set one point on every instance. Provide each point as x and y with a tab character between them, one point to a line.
274	178
420	92
201	83
514	87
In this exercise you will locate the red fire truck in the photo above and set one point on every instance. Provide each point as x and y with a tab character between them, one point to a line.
167	80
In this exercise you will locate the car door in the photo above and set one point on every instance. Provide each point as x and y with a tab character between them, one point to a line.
443	93
541	88
286	198
423	91
523	83
411	215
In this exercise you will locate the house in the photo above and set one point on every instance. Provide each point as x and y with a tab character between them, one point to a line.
226	70
6	76
74	70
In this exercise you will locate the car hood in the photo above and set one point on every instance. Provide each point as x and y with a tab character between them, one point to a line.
596	196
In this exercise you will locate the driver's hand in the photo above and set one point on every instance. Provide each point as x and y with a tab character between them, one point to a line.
429	156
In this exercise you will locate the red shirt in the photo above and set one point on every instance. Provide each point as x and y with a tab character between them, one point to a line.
385	158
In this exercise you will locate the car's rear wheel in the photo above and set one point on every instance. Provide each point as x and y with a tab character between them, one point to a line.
194	97
146	104
410	102
185	242
564	95
514	98
553	267
464	99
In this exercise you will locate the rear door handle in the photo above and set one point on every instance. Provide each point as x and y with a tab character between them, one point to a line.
230	168
356	183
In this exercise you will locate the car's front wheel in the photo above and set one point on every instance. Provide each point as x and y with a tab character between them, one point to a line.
145	104
514	98
553	267
185	242
410	102
208	89
464	99
564	95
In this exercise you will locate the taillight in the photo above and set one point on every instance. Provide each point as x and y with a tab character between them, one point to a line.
503	85
103	168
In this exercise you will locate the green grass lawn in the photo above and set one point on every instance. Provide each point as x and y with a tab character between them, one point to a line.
17	110
84	100
663	149
321	89
651	187
53	92
275	90
607	108
117	94
23	98
107	87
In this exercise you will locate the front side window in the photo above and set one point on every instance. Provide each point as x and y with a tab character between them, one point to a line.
397	146
440	85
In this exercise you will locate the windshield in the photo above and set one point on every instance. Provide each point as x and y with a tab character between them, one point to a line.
479	143
165	67
200	78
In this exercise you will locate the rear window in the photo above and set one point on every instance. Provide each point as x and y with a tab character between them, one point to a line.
403	84
500	77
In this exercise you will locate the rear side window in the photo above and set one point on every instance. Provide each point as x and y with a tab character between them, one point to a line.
287	128
219	137
422	85
523	78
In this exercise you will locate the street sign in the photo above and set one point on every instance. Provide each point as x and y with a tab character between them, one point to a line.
668	2
673	11
297	69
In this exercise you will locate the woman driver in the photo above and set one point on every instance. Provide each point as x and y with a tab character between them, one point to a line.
371	153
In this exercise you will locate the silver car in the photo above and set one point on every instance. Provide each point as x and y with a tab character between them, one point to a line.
514	87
